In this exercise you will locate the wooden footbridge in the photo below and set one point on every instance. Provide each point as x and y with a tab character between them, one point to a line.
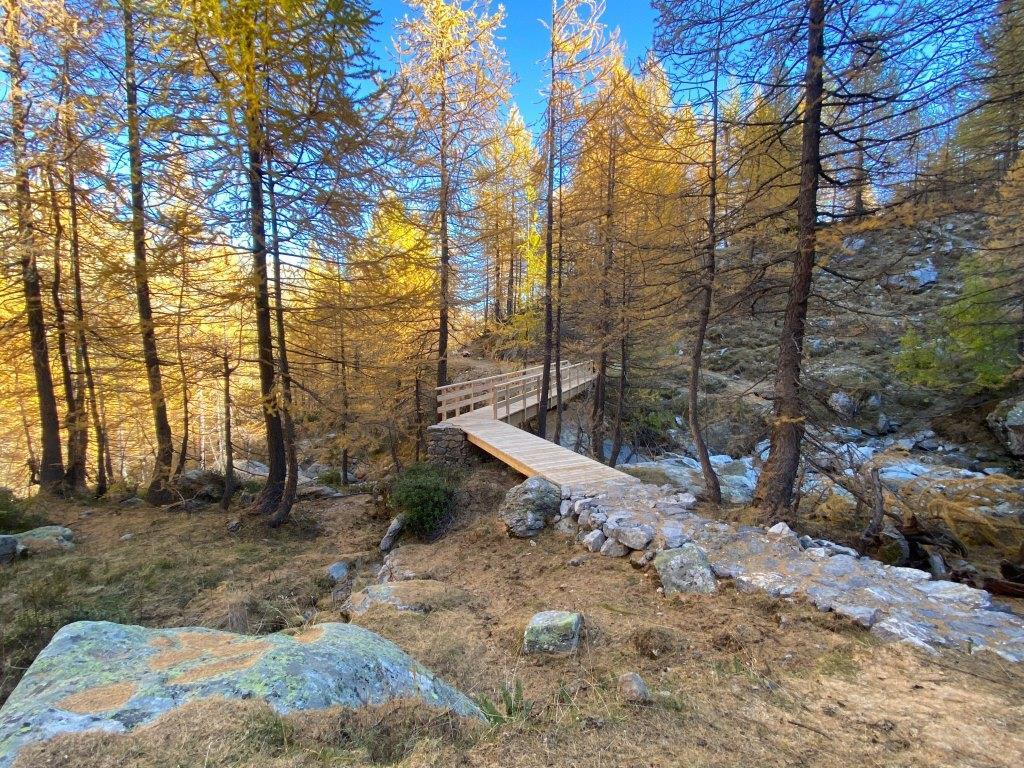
490	409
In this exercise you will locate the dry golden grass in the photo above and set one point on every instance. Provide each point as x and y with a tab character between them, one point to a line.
739	680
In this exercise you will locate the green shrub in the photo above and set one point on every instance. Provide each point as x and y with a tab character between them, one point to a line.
331	477
15	517
424	493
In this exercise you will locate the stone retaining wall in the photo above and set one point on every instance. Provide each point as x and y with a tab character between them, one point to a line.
448	446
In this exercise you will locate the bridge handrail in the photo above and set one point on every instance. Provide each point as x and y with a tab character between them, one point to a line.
454	399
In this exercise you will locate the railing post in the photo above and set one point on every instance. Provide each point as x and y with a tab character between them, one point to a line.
494	403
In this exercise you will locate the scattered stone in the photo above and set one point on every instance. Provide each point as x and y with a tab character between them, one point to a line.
393	532
413	595
529	506
201	484
843	404
613	548
685	570
578	561
634	690
1007	422
9	549
111	677
234	526
339	572
188	506
594	540
133	502
567	527
127	536
635	536
641	559
553	632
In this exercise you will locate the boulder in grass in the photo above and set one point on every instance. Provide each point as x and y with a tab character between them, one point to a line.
49	538
530	506
685	570
112	677
553	632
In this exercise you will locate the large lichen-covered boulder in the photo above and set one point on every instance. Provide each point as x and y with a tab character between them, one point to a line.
529	506
1007	422
553	632
412	595
685	570
49	538
113	677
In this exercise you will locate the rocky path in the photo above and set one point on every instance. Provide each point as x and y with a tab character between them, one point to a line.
691	554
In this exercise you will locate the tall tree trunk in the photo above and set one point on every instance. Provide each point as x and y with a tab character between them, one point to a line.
774	490
343	355
620	403
559	404
51	466
604	327
270	497
159	491
83	362
284	507
445	289
549	234
186	416
712	487
74	469
229	451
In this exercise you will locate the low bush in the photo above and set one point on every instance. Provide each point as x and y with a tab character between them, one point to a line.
424	494
16	516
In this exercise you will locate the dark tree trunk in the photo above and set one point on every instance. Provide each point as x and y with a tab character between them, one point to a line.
185	400
712	488
74	469
604	324
270	497
774	492
159	491
51	465
549	235
444	276
229	451
284	507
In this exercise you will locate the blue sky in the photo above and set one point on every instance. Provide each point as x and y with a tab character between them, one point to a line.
525	40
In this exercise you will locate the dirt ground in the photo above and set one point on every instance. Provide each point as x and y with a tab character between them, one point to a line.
739	680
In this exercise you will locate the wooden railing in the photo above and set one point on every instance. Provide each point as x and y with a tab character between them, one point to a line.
507	393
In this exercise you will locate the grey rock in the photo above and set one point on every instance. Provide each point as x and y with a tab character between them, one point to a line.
635	536
685	570
634	690
412	595
529	506
202	484
594	540
8	549
613	548
127	536
1007	422
567	527
49	538
843	404
132	502
553	632
392	534
115	678
339	571
234	526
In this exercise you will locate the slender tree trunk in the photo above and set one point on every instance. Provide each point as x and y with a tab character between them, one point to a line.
445	289
712	487
51	467
284	507
559	404
229	452
620	404
270	497
604	327
343	355
83	362
510	292
549	234
159	491
774	490
186	417
74	469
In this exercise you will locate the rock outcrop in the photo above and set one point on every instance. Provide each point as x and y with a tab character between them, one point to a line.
1007	422
553	632
530	506
111	677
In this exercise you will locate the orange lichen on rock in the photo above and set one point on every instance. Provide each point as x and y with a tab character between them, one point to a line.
309	635
99	699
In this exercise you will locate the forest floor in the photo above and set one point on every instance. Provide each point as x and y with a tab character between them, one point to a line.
739	679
